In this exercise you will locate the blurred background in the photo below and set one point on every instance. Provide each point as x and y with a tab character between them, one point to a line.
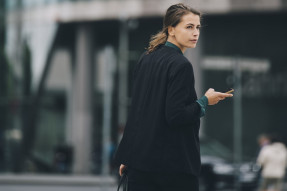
66	75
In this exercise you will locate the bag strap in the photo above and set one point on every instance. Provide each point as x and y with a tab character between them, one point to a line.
123	181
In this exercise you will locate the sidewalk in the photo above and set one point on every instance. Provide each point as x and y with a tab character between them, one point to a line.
29	179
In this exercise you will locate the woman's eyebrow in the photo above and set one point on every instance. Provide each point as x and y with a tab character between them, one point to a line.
191	24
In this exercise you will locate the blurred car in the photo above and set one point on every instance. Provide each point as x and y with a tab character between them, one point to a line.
219	172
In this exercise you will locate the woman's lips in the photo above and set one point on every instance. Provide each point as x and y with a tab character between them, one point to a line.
194	41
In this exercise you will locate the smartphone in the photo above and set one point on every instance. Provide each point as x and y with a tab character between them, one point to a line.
230	91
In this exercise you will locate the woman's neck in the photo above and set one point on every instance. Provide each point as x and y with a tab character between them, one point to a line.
173	41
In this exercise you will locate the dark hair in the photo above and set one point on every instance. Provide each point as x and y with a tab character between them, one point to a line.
275	137
172	17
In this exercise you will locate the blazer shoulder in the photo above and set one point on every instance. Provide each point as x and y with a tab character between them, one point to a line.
180	62
175	57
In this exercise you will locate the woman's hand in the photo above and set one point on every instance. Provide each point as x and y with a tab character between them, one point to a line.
121	170
214	97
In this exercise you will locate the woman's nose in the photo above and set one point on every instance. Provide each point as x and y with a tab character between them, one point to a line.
196	32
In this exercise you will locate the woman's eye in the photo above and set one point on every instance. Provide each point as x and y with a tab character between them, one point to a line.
189	27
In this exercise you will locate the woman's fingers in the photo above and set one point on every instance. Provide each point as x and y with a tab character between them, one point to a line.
222	96
226	95
214	97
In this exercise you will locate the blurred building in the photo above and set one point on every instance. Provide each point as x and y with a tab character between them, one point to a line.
72	63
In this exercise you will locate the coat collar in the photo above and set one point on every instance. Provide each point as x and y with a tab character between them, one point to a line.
173	46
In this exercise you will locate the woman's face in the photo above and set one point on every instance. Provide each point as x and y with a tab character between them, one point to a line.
186	33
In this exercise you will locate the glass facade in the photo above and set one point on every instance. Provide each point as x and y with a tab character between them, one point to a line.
15	4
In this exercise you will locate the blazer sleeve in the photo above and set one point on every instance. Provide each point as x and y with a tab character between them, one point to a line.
261	157
181	106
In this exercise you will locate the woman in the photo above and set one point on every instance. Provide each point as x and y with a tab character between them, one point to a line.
160	145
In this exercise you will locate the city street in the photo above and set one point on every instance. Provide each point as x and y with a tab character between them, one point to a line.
56	183
64	188
55	188
61	183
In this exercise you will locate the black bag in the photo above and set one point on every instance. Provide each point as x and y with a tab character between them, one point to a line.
124	181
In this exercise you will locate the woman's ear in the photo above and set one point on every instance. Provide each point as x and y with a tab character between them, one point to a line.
170	31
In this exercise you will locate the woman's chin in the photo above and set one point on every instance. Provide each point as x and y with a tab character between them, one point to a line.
192	46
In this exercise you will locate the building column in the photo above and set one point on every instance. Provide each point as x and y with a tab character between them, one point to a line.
195	56
79	131
123	71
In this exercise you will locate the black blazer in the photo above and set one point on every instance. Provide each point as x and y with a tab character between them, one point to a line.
162	129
